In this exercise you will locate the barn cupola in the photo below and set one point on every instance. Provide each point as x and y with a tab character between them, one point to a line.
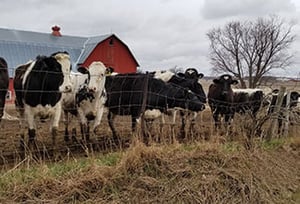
55	31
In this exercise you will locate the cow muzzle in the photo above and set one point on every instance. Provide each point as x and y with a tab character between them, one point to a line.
66	89
92	89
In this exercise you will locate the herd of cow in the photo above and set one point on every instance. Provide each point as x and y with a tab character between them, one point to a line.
46	88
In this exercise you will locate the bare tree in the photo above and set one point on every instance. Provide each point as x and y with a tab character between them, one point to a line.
251	49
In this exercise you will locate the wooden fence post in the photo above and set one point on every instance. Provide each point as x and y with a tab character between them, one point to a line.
275	114
286	115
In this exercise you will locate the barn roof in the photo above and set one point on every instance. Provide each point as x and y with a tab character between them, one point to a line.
18	46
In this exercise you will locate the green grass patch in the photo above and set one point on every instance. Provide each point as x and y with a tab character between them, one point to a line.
110	159
272	144
22	175
231	147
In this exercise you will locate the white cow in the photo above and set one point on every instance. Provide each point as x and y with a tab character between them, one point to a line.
88	98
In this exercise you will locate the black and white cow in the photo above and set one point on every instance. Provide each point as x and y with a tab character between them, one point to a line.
4	81
221	97
39	85
247	100
128	94
294	100
186	80
87	99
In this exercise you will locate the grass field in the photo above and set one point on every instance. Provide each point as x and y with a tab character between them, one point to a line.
208	166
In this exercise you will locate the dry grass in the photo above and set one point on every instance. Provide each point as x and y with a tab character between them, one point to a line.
196	173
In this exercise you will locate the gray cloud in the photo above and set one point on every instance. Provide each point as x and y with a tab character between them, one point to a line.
161	33
220	8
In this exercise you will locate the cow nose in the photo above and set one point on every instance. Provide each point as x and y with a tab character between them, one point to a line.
68	88
202	107
93	89
224	92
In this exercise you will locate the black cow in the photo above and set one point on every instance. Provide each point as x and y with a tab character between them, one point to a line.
294	99
127	94
4	81
38	86
184	80
192	73
220	98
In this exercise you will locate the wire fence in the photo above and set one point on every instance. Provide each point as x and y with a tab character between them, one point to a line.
202	129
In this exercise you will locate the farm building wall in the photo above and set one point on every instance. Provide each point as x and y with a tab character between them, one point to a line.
113	53
10	97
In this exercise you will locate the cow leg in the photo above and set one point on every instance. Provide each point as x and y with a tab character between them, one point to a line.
83	130
54	133
87	133
192	124
31	136
31	140
161	125
216	119
182	128
110	118
228	118
98	118
74	135
148	127
280	124
31	126
133	129
54	127
66	122
173	123
84	123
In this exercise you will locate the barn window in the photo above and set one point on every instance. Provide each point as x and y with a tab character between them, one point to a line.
8	95
111	42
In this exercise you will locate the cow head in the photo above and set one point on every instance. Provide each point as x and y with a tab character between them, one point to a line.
109	70
294	99
63	58
3	63
224	82
85	70
192	73
96	76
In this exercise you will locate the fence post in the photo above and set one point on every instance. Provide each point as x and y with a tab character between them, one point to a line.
143	109
286	115
275	114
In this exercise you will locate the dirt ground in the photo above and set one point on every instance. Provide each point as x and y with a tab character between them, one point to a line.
102	141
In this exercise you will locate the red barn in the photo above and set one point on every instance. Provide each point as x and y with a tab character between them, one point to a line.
113	53
18	46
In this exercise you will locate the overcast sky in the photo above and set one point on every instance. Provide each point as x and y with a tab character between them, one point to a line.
162	34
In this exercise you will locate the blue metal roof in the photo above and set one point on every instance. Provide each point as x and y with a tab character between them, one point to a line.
18	47
90	45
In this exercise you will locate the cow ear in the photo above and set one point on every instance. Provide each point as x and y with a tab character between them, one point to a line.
181	74
109	70
82	70
275	91
216	81
234	82
200	76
